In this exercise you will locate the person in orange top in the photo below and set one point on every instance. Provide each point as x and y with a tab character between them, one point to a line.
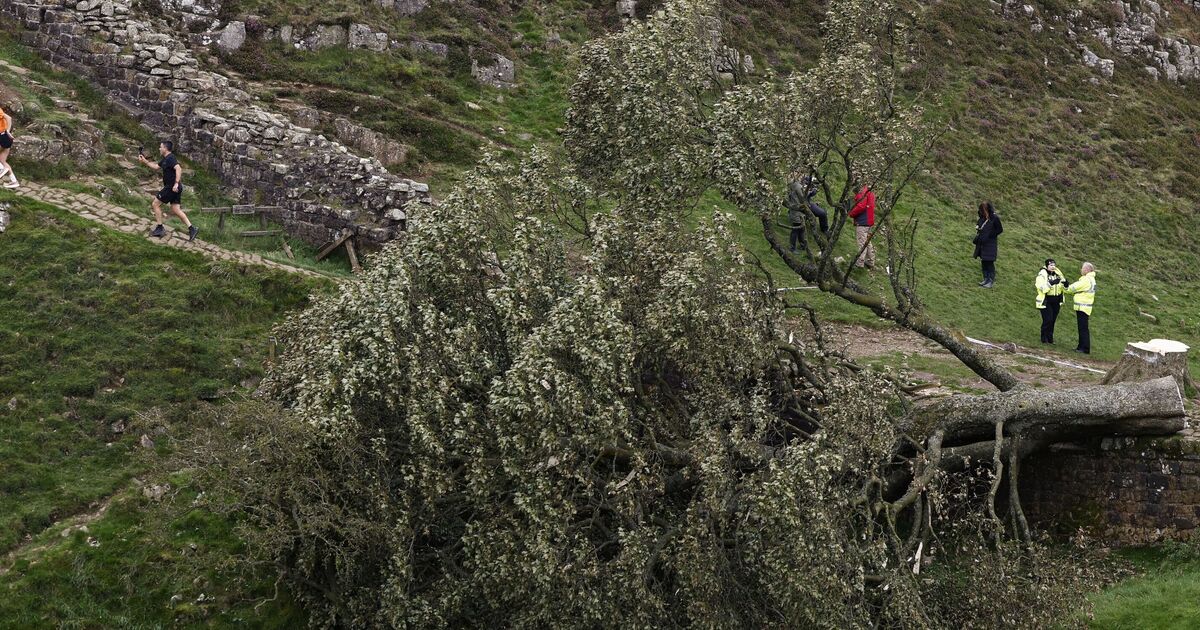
6	142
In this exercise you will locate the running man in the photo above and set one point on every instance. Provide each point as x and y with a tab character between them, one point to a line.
172	190
6	142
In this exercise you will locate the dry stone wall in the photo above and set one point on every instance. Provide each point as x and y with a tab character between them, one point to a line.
1125	490
323	187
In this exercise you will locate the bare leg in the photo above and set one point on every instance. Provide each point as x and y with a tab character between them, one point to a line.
178	210
5	168
158	215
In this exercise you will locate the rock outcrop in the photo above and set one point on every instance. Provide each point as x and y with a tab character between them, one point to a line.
1134	32
321	185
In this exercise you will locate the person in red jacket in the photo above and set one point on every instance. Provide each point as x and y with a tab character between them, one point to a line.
863	214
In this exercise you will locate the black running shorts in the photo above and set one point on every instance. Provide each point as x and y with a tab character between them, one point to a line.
167	195
6	140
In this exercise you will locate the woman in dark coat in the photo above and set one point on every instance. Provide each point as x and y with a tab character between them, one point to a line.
987	229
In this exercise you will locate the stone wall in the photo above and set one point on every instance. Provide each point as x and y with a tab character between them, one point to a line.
1125	490
323	187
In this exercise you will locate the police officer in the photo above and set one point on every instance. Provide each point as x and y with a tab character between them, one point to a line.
1050	285
1083	293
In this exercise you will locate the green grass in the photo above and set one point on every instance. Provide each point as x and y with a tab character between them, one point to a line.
143	565
1166	594
105	337
1080	172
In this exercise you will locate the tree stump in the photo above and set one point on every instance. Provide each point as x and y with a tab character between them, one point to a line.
1151	359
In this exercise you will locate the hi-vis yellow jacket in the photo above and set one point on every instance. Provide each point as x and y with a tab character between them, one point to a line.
1044	287
1084	293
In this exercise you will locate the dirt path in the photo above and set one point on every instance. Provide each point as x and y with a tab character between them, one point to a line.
864	344
118	218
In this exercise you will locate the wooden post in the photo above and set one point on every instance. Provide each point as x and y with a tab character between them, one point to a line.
334	245
287	249
353	256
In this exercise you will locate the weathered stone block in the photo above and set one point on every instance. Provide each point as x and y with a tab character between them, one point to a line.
233	36
502	73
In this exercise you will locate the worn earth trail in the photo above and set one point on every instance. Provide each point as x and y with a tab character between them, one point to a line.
118	218
1048	369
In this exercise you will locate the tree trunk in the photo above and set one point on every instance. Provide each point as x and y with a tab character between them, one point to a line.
1137	408
962	429
1153	359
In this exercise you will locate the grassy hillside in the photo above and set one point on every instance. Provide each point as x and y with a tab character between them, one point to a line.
1081	169
1104	172
434	105
1165	595
100	330
105	338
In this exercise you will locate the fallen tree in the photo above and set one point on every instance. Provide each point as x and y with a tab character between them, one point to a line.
552	406
1136	408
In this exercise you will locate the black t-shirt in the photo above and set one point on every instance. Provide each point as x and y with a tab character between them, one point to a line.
167	165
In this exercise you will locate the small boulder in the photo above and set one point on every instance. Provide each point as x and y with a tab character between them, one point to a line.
328	36
501	74
233	36
155	493
433	48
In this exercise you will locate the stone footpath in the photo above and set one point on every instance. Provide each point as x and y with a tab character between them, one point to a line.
118	218
142	65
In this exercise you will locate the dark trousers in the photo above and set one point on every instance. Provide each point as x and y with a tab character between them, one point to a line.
1085	336
1049	317
817	211
989	270
822	216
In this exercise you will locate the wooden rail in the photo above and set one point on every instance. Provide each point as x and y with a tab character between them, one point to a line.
246	210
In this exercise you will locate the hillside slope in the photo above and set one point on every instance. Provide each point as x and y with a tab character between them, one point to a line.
1082	167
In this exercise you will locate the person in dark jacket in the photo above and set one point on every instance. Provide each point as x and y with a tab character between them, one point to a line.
801	195
987	229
